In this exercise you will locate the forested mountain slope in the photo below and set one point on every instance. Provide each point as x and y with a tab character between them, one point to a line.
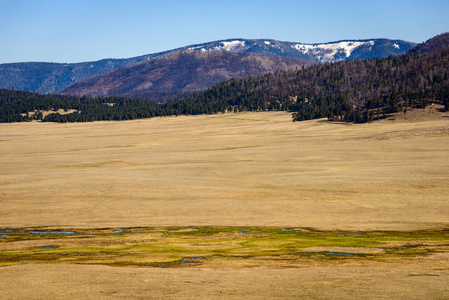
433	44
180	73
352	90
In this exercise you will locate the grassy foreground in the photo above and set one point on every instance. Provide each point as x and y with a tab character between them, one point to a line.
226	206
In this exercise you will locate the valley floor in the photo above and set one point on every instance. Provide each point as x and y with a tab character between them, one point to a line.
349	196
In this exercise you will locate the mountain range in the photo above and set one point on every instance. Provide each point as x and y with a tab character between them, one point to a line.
46	77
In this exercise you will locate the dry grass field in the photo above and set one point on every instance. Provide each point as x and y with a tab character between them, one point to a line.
246	205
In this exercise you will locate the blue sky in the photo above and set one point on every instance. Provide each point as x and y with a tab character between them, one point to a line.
85	30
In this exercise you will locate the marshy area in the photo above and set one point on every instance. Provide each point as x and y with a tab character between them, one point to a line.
175	247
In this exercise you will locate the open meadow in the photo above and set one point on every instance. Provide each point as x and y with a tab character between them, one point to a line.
233	205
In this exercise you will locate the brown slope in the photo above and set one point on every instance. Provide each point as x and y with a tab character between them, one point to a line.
431	45
179	74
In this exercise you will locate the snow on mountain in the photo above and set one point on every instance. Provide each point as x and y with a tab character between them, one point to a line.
230	46
328	52
323	52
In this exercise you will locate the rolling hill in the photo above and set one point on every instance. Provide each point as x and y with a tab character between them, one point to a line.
180	73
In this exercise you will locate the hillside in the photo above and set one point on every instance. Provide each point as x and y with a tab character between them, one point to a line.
45	77
433	44
180	73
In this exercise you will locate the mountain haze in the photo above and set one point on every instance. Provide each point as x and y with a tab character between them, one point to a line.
46	77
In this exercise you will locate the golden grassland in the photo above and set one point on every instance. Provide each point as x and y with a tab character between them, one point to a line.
226	206
245	169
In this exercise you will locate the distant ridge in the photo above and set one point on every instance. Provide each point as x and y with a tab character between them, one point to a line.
45	77
320	52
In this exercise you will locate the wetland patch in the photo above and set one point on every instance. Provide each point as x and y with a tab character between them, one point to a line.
195	246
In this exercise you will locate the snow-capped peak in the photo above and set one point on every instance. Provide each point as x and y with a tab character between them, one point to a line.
332	49
230	45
